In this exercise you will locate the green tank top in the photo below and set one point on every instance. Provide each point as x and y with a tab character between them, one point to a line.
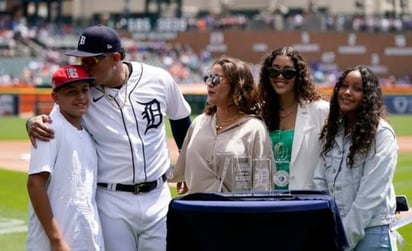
282	149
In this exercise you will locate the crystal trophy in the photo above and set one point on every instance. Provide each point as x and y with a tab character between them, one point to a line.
223	165
262	175
242	174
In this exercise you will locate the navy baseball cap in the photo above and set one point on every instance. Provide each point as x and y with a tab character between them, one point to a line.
96	40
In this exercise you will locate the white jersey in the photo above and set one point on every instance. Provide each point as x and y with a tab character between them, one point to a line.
128	125
71	160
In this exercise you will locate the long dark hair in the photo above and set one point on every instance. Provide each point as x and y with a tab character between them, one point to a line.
367	119
304	87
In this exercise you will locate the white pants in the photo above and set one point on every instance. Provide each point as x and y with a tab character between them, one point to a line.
134	222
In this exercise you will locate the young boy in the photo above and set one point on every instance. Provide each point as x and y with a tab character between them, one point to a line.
63	171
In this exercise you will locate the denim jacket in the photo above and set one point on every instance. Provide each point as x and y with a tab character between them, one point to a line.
364	193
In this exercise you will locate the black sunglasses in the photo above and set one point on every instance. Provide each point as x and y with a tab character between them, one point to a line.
213	79
286	73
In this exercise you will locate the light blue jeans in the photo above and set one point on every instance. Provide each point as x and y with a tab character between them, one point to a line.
377	239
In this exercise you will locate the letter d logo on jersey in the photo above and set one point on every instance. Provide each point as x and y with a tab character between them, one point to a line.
152	114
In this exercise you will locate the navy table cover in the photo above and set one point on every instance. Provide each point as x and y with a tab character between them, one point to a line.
290	221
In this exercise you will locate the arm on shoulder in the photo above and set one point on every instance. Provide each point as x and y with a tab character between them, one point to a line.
37	129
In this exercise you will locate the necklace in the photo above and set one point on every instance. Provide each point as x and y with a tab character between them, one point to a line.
285	115
287	107
220	124
287	111
112	100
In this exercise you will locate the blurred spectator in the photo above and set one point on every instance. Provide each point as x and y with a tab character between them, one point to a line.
43	45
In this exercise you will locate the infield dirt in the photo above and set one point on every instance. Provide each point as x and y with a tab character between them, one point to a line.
15	154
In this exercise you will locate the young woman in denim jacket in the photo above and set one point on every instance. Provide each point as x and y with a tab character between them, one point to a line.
358	160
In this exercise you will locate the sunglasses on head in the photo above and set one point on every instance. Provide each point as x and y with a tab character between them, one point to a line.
213	79
288	73
92	61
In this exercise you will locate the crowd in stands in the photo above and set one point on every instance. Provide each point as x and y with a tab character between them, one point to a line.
30	54
307	21
19	68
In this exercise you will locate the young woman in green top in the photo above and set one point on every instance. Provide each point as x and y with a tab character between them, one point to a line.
294	113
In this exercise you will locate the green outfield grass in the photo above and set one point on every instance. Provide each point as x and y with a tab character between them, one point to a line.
13	128
14	199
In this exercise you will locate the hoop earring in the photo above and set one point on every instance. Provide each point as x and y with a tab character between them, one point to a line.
236	99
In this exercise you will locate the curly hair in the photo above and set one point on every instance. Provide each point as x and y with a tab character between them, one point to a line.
367	118
243	87
304	86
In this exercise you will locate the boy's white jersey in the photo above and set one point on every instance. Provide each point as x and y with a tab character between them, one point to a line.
71	160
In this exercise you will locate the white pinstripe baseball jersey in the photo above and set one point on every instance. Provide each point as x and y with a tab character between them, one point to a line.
128	125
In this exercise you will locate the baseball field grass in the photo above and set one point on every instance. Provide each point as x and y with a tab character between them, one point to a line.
14	198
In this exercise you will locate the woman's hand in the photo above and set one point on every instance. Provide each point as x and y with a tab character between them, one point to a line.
181	187
37	129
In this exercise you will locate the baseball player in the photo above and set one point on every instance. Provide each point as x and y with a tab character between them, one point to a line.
127	120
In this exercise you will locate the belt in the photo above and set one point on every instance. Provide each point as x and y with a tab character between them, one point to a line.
144	187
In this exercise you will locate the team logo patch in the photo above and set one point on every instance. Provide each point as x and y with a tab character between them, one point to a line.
82	40
152	114
71	72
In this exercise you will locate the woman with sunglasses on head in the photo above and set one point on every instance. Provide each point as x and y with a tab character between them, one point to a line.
294	114
229	124
358	160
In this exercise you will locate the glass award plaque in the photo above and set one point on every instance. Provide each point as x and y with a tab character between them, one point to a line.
223	166
242	174
262	175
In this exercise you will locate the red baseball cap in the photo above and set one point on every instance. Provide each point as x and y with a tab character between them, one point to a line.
70	74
